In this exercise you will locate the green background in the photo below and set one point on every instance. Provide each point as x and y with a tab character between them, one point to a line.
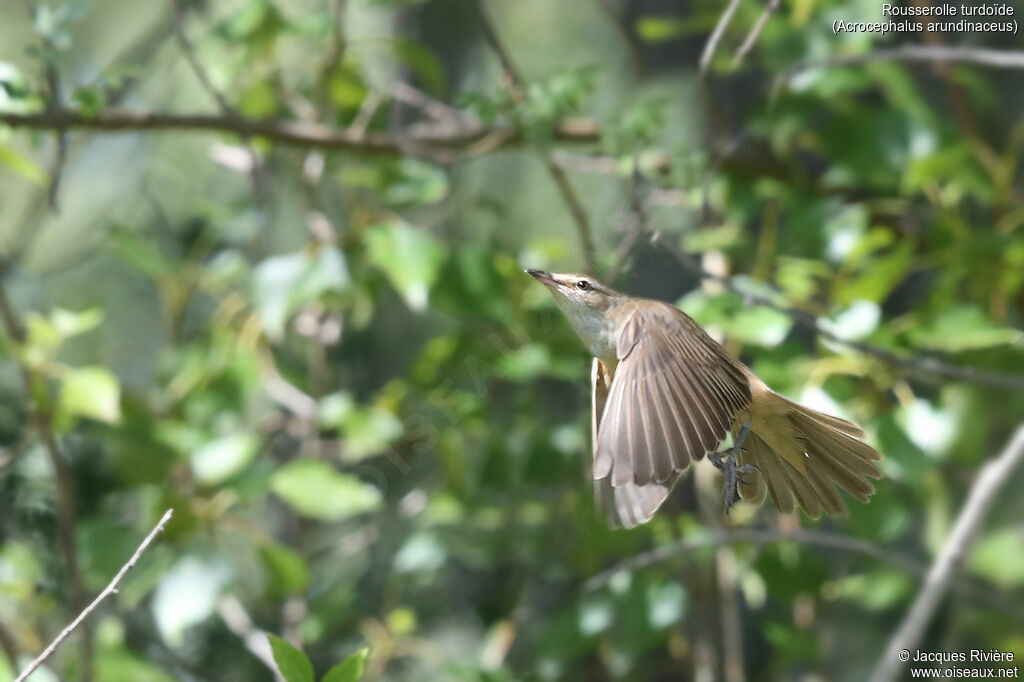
374	429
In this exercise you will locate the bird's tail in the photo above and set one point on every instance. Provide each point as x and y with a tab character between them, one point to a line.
803	454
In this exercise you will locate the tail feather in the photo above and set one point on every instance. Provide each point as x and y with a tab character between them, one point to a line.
769	466
832	453
802	490
831	500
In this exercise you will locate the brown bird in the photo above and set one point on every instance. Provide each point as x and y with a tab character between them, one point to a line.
665	393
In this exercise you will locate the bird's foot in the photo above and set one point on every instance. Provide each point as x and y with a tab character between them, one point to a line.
732	473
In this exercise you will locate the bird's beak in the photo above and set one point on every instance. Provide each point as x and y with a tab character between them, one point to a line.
544	278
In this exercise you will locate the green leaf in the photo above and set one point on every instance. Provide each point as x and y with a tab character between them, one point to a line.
283	283
259	100
963	328
661	29
421	552
70	323
90	100
347	88
22	165
999	557
288	570
422	61
12	82
878	278
220	459
314	489
291	662
410	258
90	392
349	670
140	253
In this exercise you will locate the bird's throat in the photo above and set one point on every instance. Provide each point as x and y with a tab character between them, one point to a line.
596	329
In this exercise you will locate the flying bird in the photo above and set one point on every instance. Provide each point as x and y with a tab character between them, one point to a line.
665	394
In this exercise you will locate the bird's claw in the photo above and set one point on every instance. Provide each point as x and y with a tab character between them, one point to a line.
732	475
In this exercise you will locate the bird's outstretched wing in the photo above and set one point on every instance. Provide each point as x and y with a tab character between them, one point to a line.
671	399
629	505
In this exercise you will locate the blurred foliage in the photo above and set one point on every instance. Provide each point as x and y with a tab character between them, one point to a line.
374	429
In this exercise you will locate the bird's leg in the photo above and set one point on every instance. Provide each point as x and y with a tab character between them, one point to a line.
732	474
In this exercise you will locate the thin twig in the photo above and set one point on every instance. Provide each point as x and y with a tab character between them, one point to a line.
238	621
189	50
755	32
52	103
364	116
8	645
758	537
434	108
576	210
568	194
66	514
996	59
338	44
993	476
716	36
110	589
430	142
637	223
911	363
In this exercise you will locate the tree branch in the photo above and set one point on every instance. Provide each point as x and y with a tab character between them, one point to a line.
755	32
920	365
52	103
576	210
716	36
110	589
238	621
568	194
990	480
189	50
66	515
758	537
429	142
8	646
996	59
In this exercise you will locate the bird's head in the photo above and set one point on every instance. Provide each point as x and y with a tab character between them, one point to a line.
577	294
586	302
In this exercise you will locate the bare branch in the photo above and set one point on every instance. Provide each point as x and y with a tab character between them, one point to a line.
8	646
428	142
996	59
189	50
990	480
238	621
572	202
432	107
755	32
52	103
765	536
365	115
66	514
576	210
716	36
911	363
754	537
110	589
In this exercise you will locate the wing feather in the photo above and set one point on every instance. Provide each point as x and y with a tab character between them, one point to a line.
673	397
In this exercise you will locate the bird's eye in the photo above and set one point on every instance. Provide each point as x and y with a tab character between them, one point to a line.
583	285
